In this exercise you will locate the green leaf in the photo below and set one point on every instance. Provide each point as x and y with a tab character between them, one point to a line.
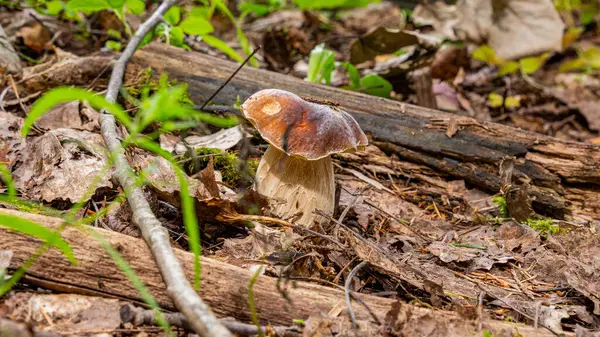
203	12
136	7
165	105
113	45
6	177
30	228
376	85
512	102
508	68
321	64
176	36
239	32
486	54
68	94
530	65
495	100
173	15
147	39
54	7
195	25
571	65
88	5
257	9
115	34
352	74
570	36
116	4
330	4
591	57
222	46
134	279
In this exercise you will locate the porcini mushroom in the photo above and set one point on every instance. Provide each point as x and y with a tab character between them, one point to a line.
296	171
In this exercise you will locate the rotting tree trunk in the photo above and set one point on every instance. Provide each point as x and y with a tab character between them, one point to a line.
564	176
224	287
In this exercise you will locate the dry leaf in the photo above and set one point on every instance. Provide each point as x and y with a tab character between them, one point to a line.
61	164
35	36
513	28
222	140
379	41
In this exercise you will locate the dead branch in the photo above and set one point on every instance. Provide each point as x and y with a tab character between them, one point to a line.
224	287
201	318
140	316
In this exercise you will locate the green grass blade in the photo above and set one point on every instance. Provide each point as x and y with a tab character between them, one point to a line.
251	303
222	46
190	220
18	224
7	178
133	278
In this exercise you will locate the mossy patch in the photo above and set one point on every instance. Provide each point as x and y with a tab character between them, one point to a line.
544	226
501	203
227	163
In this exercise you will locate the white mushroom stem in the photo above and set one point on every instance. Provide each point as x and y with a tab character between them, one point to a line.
296	185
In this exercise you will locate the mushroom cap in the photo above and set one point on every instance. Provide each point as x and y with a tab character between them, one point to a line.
313	130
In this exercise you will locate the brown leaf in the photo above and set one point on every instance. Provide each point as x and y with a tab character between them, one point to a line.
161	178
207	177
506	25
61	164
35	36
71	115
379	41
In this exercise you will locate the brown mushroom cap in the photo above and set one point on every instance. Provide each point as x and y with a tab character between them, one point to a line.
314	131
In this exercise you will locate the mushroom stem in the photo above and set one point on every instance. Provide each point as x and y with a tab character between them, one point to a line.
296	185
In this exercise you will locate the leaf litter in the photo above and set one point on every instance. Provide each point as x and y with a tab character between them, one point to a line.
428	238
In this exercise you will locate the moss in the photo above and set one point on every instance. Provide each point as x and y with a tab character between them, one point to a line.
543	226
227	163
501	203
32	207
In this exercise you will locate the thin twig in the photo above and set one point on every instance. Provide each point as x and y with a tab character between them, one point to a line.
520	311
230	77
198	313
382	251
347	291
139	316
402	222
280	222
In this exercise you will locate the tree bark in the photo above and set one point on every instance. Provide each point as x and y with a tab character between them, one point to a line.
564	177
224	287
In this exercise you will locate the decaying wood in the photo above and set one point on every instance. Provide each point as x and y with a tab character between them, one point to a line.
224	287
423	86
564	176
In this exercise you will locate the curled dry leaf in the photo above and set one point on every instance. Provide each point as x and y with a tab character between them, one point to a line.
11	142
61	164
35	36
513	28
9	59
73	115
161	178
222	140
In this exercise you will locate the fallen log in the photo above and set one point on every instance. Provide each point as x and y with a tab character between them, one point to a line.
564	177
224	287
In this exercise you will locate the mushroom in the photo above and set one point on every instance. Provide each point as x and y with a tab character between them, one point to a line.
296	171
